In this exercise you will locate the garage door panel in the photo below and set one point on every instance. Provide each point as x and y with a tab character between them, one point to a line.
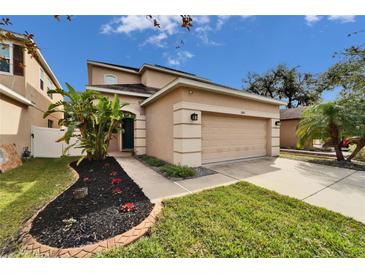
226	137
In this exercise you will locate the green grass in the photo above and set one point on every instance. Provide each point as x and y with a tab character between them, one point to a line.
27	188
177	171
152	161
244	220
167	169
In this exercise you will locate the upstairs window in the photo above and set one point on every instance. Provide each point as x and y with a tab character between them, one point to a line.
11	59
50	87
110	79
41	79
5	57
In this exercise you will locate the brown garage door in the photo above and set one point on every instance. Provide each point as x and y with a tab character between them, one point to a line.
226	137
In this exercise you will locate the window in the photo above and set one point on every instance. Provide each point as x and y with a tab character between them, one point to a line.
41	79
50	123
11	59
50	87
110	79
5	57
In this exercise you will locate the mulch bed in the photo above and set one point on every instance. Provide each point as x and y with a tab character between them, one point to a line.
69	222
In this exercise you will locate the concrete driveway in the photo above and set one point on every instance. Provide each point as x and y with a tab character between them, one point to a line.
338	189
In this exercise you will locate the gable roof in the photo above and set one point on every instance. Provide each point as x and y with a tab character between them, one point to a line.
134	70
210	87
126	89
291	113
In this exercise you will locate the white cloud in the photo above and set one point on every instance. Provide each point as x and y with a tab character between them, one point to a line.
132	23
312	19
156	40
202	34
342	18
178	59
201	20
221	20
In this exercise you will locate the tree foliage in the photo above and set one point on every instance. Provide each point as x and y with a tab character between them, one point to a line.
93	115
321	121
282	82
343	119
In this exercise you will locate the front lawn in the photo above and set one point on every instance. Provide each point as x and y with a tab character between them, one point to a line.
244	220
27	188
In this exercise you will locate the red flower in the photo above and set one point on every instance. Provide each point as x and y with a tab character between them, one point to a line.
116	181
113	173
117	190
128	207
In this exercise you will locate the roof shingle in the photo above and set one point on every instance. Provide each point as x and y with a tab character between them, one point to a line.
137	88
291	113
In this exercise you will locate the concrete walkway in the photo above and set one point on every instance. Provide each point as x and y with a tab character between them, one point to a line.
338	189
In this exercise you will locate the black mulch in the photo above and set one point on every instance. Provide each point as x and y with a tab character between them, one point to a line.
69	222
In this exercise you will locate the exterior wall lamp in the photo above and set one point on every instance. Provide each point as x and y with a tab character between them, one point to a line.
194	116
277	123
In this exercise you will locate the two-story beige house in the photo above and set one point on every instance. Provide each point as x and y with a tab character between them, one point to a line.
24	82
185	119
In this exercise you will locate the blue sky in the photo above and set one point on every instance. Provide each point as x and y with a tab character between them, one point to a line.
221	48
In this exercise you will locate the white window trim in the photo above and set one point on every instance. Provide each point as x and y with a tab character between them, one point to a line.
110	75
10	57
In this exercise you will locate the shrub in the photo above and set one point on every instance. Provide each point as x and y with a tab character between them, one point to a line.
152	161
178	171
94	115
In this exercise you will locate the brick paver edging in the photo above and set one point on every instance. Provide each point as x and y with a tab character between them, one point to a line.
30	244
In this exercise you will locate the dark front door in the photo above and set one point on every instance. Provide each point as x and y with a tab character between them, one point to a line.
128	133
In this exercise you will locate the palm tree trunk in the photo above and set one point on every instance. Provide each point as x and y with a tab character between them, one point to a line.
359	145
339	154
336	140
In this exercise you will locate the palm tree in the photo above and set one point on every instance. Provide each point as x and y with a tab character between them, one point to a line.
322	121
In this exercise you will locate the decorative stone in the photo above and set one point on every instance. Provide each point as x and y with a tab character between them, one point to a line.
80	193
9	158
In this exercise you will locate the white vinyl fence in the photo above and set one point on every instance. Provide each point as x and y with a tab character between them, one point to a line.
44	143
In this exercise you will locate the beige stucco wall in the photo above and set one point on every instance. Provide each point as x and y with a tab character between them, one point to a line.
211	98
288	137
96	75
159	126
16	119
156	79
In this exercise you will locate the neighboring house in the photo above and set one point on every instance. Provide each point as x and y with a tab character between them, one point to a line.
185	119
24	82
289	120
